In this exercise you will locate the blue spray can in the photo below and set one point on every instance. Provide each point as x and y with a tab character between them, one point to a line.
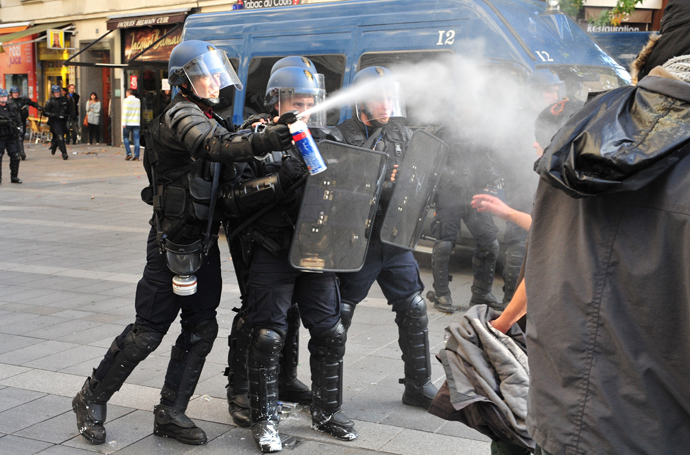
304	142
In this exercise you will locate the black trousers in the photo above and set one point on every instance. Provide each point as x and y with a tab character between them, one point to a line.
449	212
395	269
274	284
94	133
157	305
59	129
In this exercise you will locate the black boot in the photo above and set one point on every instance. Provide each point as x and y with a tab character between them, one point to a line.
14	168
172	423
327	350
413	338
132	346
90	415
483	267
291	388
440	260
187	359
262	366
238	384
63	148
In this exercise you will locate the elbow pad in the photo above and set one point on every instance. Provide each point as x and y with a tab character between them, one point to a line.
250	195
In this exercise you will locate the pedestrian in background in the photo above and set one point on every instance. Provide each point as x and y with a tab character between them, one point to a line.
131	123
74	120
93	117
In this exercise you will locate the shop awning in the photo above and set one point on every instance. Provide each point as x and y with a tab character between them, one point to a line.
158	18
29	31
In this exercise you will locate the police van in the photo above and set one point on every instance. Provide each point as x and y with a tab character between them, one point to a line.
341	38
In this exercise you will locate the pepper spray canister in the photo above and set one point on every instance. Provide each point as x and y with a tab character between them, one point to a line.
304	142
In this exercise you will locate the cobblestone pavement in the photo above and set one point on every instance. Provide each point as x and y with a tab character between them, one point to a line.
72	242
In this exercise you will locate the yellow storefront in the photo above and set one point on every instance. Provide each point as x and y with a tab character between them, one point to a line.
52	71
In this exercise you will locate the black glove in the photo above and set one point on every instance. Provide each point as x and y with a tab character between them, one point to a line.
290	171
274	138
254	119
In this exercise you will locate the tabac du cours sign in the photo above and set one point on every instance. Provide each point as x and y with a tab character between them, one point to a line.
138	39
56	39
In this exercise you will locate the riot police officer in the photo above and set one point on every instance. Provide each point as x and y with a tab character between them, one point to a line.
374	125
291	389
269	193
22	103
59	110
468	171
184	141
9	133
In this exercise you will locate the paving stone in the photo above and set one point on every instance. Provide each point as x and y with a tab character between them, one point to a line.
20	446
67	358
7	371
97	333
33	412
63	427
11	397
10	342
121	433
64	450
413	442
32	325
46	381
460	430
33	352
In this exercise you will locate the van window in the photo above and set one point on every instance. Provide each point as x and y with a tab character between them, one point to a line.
580	80
391	59
331	66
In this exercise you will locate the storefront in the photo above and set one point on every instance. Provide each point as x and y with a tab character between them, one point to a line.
146	43
17	62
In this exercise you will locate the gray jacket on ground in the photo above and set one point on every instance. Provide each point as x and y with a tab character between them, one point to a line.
487	378
608	277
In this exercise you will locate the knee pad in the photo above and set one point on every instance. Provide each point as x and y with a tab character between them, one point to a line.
411	312
203	336
267	341
335	337
443	247
140	342
488	250
346	313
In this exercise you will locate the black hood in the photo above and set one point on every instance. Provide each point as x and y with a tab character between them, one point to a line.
620	140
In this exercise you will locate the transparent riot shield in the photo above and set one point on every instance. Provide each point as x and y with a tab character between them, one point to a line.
416	183
338	208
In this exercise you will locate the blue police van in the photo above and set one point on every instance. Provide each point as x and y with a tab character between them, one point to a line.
514	36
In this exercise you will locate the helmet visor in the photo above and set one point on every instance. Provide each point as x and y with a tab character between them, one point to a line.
383	102
302	100
211	72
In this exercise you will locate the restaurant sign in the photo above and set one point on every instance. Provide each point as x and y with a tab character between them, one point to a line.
138	39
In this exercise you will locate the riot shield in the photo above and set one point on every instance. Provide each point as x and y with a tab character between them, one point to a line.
416	183
338	208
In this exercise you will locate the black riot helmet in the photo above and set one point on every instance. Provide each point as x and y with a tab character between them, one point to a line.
203	69
299	88
381	98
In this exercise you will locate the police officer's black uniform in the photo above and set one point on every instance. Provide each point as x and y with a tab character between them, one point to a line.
22	103
273	288
395	269
469	170
9	139
58	110
184	138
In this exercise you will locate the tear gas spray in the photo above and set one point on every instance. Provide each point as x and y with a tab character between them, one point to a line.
304	142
